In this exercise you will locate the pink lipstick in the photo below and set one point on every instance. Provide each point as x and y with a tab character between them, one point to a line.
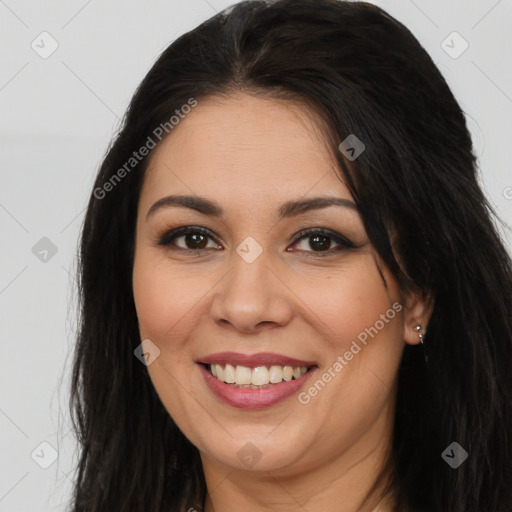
287	376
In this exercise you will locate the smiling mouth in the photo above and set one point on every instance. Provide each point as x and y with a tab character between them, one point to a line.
260	377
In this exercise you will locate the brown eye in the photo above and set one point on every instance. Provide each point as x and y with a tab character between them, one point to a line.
194	239
319	241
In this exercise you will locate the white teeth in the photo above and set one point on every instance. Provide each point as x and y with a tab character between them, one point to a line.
260	376
229	374
219	372
287	373
275	374
243	375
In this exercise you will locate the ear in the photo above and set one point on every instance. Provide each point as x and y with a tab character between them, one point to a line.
417	311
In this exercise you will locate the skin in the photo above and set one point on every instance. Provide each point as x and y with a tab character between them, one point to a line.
319	456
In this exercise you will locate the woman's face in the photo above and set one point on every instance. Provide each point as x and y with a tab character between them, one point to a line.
249	290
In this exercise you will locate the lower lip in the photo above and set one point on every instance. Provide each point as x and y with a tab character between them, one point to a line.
247	398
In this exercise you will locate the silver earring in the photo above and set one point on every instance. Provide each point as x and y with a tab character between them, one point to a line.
418	329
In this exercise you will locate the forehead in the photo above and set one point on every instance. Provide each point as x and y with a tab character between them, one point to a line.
245	146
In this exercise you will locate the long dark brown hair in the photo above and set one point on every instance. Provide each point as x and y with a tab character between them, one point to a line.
416	186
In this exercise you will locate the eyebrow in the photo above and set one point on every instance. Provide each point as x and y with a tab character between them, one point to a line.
212	209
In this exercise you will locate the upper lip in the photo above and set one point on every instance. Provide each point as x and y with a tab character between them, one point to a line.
253	360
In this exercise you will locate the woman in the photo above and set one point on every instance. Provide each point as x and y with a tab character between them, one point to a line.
293	295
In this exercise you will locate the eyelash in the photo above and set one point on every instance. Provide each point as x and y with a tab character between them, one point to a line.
343	242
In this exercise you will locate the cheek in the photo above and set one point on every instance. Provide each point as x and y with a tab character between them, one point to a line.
349	300
152	296
164	300
165	306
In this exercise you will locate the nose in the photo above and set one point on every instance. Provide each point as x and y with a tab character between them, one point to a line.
251	297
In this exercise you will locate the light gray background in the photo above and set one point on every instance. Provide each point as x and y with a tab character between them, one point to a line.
57	117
